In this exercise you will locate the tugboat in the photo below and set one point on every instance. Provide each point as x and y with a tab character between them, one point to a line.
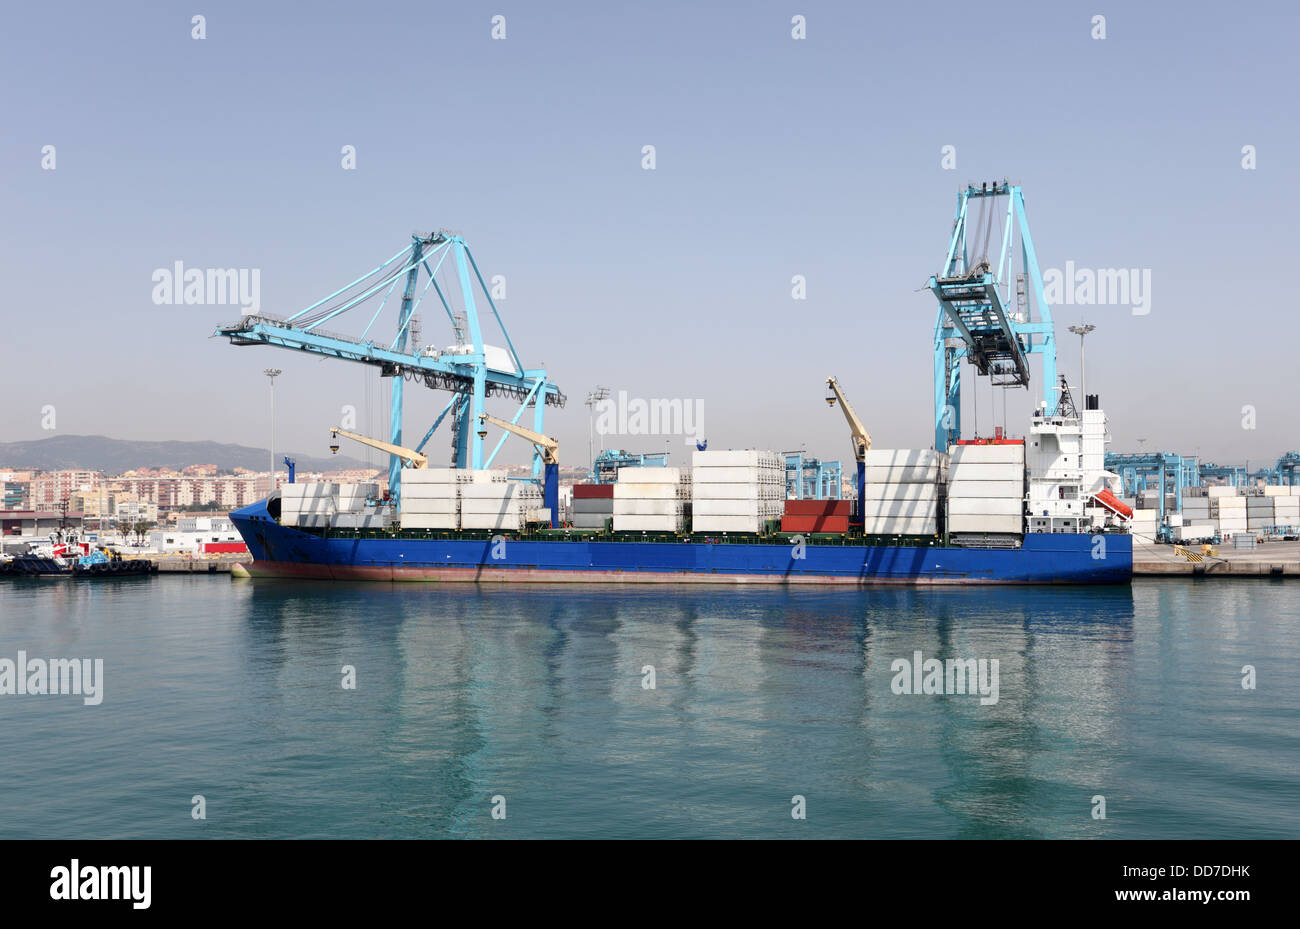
71	558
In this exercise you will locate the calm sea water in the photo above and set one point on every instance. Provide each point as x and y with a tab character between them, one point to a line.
233	690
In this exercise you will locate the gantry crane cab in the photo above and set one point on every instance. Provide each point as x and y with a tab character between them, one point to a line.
548	448
860	438
409	457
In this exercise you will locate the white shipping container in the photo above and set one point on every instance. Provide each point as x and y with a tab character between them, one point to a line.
489	507
902	492
487	491
884	475
647	523
989	506
748	524
757	508
738	492
428	506
987	454
648	491
984	523
966	488
905	458
1231	503
903	509
648	507
594	505
905	465
649	475
429	492
980	471
430	476
1277	490
892	525
307	490
742	457
737	475
1221	492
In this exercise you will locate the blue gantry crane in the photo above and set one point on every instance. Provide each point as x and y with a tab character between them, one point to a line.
982	319
470	369
609	460
808	478
1164	472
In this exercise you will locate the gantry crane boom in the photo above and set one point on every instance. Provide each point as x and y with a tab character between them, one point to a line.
548	448
859	436
409	457
470	369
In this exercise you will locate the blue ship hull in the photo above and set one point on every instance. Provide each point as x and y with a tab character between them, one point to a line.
282	551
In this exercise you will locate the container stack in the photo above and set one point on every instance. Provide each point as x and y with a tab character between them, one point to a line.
490	500
902	492
986	489
351	511
1229	510
736	490
593	505
429	498
307	505
650	499
1145	523
1286	506
1259	514
816	516
1196	509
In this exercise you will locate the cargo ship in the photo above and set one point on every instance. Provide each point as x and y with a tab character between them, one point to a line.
976	515
1039	509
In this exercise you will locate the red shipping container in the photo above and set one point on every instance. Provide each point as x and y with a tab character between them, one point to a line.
221	548
815	524
818	507
593	491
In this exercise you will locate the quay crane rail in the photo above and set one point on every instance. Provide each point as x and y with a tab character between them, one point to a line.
470	369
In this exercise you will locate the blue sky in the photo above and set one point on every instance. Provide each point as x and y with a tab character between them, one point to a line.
775	157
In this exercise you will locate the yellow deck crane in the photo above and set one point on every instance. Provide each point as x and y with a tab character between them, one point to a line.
858	435
548	448
410	458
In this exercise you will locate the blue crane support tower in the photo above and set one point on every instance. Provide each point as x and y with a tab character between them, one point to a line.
981	318
470	369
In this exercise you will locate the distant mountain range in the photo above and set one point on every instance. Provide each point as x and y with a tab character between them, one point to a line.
100	453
